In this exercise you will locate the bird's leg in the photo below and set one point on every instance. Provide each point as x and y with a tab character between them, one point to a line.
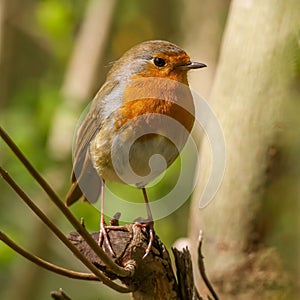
149	223
103	233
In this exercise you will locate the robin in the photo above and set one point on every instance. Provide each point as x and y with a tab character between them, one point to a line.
144	108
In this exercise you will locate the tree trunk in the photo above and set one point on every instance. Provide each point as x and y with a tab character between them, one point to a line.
256	207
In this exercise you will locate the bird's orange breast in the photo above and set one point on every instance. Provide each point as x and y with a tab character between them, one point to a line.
153	95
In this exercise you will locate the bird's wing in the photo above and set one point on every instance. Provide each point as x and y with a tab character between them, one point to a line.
85	179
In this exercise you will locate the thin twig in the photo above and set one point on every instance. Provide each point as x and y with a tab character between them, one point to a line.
113	267
60	235
60	295
45	264
202	268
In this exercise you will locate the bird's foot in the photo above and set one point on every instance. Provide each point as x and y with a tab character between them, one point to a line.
146	223
104	237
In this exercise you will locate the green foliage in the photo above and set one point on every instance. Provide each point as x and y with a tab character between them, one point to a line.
58	21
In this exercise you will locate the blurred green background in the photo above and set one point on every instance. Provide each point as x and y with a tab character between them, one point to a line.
45	54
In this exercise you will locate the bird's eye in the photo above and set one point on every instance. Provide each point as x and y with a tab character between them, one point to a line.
159	62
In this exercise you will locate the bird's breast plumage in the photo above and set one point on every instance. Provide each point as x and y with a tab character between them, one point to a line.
155	118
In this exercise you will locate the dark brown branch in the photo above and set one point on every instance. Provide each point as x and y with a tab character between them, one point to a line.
45	264
202	268
153	277
59	234
185	277
59	295
56	200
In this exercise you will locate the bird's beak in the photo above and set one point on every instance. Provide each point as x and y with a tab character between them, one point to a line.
192	65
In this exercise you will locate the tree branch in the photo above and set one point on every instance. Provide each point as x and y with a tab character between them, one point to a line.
45	264
57	201
59	295
153	277
202	268
59	234
184	270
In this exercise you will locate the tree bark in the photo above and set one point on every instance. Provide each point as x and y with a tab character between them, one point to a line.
254	96
153	275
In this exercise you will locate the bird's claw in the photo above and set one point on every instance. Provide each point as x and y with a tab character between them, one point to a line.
143	223
103	236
